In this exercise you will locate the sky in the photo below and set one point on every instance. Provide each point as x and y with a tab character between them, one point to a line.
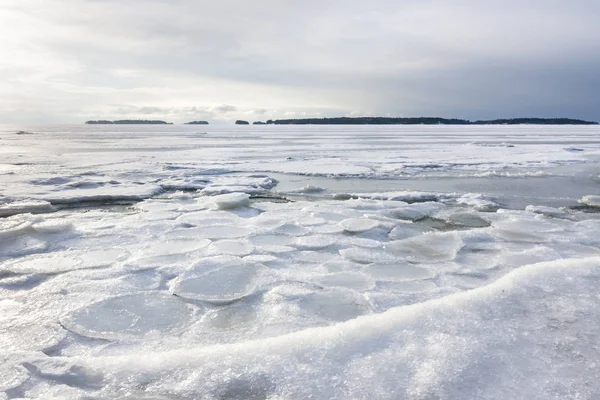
67	61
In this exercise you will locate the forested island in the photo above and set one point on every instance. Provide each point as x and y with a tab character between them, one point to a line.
129	122
426	121
197	123
242	122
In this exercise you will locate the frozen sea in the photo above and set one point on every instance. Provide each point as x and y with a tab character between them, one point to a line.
300	262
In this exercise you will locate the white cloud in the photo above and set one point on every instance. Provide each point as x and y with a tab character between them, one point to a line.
274	58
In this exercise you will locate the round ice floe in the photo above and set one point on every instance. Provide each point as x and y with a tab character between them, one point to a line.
278	240
21	245
208	218
175	246
409	287
350	280
327	229
154	205
334	305
218	280
291	230
315	242
401	271
230	201
358	225
131	317
590	200
217	232
51	263
103	257
276	249
312	256
235	316
231	247
341	266
367	255
159	215
260	258
430	247
30	337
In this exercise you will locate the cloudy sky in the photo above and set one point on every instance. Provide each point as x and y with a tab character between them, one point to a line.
66	61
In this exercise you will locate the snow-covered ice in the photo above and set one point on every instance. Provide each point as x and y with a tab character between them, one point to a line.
269	262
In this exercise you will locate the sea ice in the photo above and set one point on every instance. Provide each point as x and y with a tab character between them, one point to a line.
218	280
132	317
359	225
430	247
590	200
230	201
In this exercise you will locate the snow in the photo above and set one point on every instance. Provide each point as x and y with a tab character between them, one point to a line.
463	262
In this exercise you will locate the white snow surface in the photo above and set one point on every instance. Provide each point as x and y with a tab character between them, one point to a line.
270	262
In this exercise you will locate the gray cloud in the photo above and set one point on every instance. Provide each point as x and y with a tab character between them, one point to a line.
270	58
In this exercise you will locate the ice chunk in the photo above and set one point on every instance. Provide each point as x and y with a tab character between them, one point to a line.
20	207
232	247
218	280
400	271
132	317
52	226
367	255
51	263
11	376
478	201
359	225
11	228
230	201
466	219
430	247
548	211
405	231
309	189
21	245
590	200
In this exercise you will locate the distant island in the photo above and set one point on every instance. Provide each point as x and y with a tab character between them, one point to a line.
426	121
241	122
129	122
197	123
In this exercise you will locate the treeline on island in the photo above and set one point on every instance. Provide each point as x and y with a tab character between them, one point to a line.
370	121
426	121
129	122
